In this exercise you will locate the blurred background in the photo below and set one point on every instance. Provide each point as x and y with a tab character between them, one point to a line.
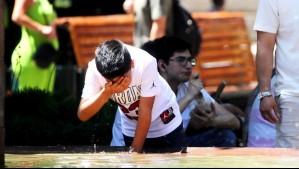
106	7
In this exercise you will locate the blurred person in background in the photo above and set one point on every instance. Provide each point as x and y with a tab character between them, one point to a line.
217	5
277	29
35	18
258	132
150	18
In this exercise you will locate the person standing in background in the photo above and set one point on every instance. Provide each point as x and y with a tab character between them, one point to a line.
12	34
258	132
277	24
150	18
217	5
35	18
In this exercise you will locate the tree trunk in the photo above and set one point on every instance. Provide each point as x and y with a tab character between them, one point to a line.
2	84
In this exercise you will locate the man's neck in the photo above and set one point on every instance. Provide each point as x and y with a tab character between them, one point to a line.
174	86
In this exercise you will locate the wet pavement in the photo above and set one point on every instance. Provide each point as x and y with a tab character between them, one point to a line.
98	157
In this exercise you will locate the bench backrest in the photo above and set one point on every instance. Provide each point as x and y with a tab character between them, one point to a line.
226	50
88	32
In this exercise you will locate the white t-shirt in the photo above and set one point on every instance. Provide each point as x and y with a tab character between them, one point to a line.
282	18
117	136
146	82
182	90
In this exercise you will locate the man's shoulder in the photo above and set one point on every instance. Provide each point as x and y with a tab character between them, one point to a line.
139	54
133	50
92	68
92	63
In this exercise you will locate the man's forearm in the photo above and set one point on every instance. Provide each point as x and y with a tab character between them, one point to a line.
264	59
143	125
89	107
144	122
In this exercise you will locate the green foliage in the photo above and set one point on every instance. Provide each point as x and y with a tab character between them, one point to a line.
37	118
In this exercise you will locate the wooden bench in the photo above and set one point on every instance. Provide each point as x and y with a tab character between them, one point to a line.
225	54
88	32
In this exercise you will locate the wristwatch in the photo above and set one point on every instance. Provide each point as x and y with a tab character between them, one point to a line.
261	95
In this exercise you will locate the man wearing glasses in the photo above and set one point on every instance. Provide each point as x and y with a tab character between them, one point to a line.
204	128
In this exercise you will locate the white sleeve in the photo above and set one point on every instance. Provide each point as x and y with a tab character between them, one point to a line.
267	19
207	95
92	84
151	83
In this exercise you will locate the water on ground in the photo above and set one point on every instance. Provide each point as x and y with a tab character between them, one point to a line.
195	157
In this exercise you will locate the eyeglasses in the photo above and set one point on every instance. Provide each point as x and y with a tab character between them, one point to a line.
183	60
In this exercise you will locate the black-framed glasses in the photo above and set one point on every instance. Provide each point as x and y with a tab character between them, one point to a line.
183	60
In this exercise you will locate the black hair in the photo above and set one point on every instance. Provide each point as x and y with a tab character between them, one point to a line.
218	3
112	59
163	48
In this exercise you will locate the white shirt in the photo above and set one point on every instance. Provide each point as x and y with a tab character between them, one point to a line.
182	91
117	136
146	82
282	18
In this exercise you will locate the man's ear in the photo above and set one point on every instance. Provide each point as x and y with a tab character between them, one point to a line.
132	64
161	65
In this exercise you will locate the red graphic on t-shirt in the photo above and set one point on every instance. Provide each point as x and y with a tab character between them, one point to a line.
167	115
132	111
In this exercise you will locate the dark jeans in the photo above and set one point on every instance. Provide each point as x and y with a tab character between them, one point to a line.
213	138
172	142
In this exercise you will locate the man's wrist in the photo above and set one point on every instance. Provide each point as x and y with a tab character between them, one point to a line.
134	150
261	95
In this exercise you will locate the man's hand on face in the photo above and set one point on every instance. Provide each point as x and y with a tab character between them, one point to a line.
117	85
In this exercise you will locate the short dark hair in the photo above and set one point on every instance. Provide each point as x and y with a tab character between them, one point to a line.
218	3
163	48
112	59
